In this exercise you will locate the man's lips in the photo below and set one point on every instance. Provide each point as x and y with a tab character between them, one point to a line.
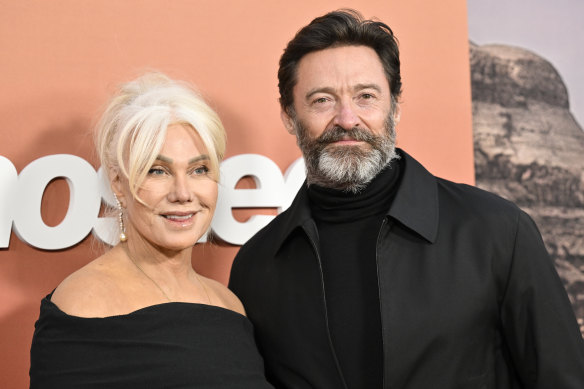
345	141
348	141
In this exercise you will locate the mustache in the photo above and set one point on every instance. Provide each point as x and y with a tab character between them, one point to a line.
338	133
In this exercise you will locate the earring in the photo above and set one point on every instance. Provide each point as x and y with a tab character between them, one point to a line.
123	236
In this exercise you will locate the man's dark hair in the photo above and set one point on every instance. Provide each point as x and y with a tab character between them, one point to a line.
344	27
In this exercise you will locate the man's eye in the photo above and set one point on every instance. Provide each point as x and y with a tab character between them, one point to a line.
367	96
320	100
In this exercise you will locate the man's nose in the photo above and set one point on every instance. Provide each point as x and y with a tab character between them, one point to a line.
346	116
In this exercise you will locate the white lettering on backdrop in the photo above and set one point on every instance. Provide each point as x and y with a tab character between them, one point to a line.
21	197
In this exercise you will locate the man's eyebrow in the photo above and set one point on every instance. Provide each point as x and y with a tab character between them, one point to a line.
196	159
356	87
367	86
314	91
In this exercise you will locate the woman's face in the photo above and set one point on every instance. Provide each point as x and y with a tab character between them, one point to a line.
179	193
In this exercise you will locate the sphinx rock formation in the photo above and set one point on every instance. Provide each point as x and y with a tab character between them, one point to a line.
529	149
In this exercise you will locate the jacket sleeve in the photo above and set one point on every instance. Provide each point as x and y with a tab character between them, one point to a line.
538	321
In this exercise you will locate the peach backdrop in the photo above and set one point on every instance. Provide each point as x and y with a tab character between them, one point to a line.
61	60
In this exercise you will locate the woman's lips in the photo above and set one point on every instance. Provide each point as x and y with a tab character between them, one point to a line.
180	218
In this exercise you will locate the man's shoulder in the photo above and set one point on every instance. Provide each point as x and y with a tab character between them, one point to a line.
474	199
449	194
265	240
254	257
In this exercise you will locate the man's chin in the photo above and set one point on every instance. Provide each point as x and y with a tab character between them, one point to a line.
344	185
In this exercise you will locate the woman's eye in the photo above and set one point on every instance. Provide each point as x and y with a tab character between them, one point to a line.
201	170
155	171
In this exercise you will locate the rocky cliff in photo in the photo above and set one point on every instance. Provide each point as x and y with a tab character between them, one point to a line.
529	149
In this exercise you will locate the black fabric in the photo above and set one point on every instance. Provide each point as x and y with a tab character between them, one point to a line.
173	345
347	229
469	296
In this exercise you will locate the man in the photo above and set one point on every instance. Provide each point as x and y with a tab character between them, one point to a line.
380	275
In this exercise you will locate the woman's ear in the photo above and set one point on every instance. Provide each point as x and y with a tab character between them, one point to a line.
288	122
117	186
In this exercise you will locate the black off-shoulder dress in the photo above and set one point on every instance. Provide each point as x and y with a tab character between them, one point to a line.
172	345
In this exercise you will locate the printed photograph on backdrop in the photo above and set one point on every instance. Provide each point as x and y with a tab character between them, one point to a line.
528	120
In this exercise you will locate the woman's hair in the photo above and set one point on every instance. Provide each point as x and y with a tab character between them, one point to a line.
132	130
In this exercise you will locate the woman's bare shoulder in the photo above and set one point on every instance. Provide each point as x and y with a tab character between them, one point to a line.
89	291
228	299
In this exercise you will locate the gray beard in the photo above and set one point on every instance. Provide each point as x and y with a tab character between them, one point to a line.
346	168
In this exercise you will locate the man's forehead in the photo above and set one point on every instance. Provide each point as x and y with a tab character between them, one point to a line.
356	67
342	52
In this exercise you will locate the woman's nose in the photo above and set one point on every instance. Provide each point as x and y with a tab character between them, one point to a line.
180	191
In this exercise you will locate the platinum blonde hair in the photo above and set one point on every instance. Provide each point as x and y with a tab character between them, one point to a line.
132	130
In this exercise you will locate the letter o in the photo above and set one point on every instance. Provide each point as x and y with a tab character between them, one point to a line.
84	203
8	183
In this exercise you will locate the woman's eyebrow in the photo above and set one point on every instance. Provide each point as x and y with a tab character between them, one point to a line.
201	157
192	160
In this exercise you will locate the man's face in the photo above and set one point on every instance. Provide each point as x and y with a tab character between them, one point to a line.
343	116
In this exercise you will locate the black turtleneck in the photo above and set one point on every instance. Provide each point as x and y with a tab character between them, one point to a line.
348	225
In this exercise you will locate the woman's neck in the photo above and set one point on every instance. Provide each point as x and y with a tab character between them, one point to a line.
176	263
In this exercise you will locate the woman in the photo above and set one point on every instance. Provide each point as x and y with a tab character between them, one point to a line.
140	316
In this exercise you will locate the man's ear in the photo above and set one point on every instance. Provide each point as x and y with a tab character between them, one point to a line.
288	121
397	113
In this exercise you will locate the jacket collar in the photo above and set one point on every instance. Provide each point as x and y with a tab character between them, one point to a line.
416	201
415	204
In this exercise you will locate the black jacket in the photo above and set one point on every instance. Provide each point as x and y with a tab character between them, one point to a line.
469	297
